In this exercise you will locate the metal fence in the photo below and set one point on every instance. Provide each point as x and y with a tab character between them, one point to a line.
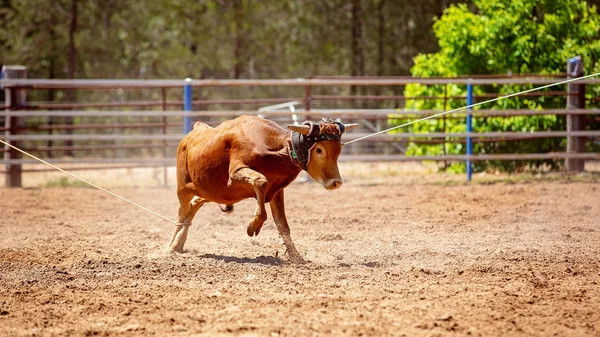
103	130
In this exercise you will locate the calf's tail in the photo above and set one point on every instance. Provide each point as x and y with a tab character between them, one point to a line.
226	209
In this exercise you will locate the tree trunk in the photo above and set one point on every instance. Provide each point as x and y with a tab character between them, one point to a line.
238	44
357	63
71	67
51	75
380	42
51	119
72	30
380	37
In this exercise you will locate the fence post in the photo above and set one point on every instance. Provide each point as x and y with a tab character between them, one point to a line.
469	129
187	105
307	98
575	100
307	101
14	99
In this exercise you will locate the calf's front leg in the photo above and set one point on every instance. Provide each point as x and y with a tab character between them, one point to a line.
278	210
259	183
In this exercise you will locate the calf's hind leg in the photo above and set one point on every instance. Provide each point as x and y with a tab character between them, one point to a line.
188	207
259	183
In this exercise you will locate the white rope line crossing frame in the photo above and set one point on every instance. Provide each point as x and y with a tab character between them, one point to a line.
352	141
89	183
470	106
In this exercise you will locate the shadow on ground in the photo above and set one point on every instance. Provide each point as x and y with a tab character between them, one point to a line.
266	260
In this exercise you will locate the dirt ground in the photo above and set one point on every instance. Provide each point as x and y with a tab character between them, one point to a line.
394	256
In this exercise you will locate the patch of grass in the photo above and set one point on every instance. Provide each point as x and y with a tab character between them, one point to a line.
66	182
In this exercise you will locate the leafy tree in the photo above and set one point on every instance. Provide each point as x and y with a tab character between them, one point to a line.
505	37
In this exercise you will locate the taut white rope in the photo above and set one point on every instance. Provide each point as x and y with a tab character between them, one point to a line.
472	105
89	183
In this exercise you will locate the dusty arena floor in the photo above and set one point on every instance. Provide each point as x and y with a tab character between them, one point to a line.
388	257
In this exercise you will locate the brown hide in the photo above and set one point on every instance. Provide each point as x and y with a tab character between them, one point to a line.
207	157
248	157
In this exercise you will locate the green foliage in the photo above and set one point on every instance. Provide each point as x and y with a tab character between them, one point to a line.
213	38
505	37
203	39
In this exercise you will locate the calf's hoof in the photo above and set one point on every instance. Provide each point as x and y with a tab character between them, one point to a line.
255	226
173	250
296	259
252	231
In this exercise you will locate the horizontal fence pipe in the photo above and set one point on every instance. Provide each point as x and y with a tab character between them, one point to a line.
77	148
98	137
405	98
315	112
259	101
460	140
244	101
95	137
480	157
95	126
440	140
363	158
76	105
73	105
124	113
159	161
537	134
482	112
95	167
377	139
147	84
506	113
349	136
559	75
98	147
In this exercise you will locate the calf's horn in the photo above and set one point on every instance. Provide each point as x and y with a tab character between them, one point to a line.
350	126
303	129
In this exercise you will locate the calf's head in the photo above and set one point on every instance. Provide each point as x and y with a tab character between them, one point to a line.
316	147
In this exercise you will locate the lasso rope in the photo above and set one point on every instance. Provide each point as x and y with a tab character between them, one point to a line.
89	183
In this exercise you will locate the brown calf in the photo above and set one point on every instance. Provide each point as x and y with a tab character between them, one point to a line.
251	157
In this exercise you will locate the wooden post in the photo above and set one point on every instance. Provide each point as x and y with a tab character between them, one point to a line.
14	99
575	100
307	101
307	98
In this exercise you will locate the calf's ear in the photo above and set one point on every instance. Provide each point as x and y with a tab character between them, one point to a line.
303	129
350	126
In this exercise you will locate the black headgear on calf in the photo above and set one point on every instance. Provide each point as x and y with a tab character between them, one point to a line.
302	144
